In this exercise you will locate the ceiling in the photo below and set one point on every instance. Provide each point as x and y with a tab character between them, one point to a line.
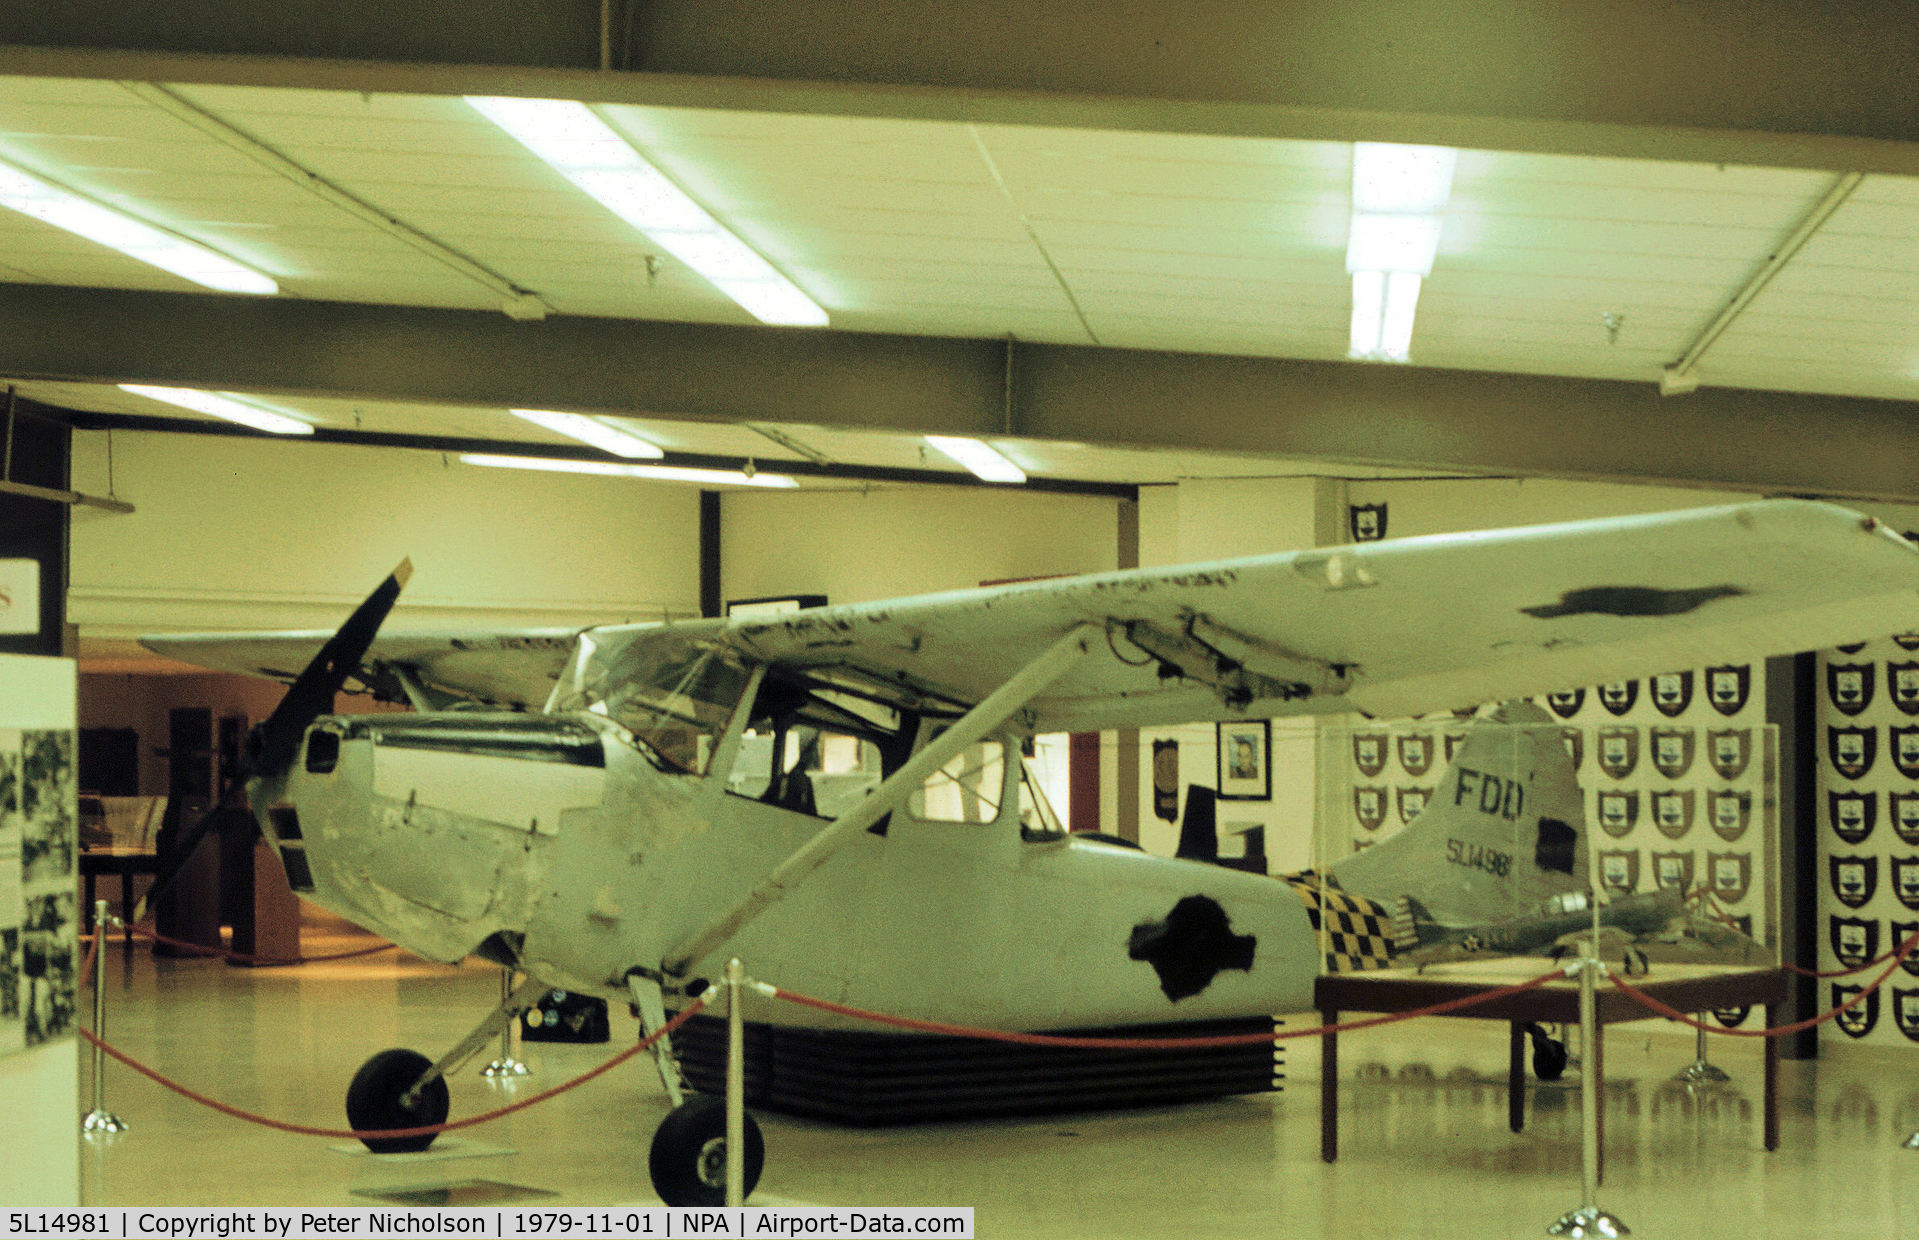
1559	265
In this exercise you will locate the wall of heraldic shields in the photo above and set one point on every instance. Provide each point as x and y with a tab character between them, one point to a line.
1868	732
1676	776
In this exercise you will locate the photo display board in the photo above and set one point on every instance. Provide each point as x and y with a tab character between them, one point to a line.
39	815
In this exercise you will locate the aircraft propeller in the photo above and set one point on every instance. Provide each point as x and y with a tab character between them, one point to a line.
274	743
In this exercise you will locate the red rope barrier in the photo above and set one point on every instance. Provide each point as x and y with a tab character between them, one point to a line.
201	949
1671	1013
1153	1044
685	1015
1901	952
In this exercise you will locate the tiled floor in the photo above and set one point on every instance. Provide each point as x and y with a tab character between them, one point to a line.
1425	1150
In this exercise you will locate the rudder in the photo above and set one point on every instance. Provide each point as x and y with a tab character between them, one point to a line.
1503	831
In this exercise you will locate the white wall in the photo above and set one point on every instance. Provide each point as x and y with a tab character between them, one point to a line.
885	542
244	533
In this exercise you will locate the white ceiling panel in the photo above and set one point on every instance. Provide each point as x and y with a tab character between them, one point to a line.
1161	241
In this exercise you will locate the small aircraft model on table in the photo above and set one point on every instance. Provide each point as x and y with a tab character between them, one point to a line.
836	797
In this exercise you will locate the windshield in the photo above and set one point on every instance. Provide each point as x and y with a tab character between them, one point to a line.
674	693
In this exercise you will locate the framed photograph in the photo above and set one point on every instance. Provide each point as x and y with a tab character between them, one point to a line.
1246	760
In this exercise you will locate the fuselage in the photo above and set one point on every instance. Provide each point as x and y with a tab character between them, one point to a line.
561	845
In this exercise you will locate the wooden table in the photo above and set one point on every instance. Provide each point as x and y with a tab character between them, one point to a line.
125	862
1687	988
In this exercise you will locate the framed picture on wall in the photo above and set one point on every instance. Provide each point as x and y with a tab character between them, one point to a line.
1246	760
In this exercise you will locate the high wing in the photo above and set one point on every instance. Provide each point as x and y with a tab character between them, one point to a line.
509	668
1388	628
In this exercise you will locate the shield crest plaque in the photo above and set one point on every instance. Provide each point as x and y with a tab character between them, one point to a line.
1416	753
1905	750
1367	521
1618	812
1567	704
1729	751
1852	749
1853	814
1672	871
1731	812
1731	875
1906	641
1369	806
1412	803
1854	879
1618	751
1619	696
1851	648
1672	750
1619	871
1902	808
1902	682
1901	931
1854	940
1731	1018
1849	686
1369	753
1672	813
1453	740
1859	1019
1905	881
1575	740
1905	1010
1728	686
1672	693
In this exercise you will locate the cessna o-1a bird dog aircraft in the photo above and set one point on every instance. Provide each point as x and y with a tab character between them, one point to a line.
835	795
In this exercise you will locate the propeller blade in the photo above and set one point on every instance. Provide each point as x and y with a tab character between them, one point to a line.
232	798
272	746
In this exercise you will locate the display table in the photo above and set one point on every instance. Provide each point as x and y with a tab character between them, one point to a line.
125	862
1688	988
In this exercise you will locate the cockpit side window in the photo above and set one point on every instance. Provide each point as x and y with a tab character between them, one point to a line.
814	748
968	788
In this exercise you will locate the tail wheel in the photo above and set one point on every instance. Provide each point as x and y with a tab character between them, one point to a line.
373	1101
688	1158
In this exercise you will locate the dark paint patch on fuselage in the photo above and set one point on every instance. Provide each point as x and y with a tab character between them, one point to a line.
1630	601
1191	946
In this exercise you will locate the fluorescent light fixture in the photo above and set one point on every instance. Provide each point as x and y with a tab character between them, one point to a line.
611	469
587	151
980	457
599	432
1383	307
232	408
1389	176
1392	243
84	217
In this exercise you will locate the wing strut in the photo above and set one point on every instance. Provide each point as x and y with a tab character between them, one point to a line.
995	709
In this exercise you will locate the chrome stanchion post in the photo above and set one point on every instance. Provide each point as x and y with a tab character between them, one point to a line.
1588	1220
735	1088
100	1121
505	1066
1699	1071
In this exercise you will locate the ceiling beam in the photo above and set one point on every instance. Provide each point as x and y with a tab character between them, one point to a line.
1342	412
1768	82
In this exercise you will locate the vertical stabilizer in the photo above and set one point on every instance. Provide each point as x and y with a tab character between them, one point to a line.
1503	831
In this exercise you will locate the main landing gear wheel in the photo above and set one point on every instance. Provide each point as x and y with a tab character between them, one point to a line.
373	1101
1549	1054
688	1159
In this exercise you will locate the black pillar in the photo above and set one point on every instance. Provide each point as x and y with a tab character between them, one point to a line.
1790	703
36	451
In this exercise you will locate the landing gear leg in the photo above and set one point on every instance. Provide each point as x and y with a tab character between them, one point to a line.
687	1161
401	1089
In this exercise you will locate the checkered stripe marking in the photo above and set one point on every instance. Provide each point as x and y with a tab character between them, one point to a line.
1358	932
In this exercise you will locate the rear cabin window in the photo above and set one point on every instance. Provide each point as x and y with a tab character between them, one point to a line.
967	789
814	748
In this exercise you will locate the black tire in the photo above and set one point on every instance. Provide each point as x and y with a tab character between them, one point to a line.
688	1159
1549	1058
373	1101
